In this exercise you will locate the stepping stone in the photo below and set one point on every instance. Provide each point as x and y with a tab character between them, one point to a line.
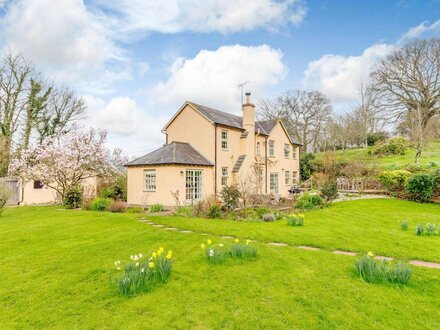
186	231
227	237
159	226
383	258
277	244
347	253
204	234
171	228
305	247
425	264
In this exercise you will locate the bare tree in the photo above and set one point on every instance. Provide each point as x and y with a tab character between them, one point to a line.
303	113
15	72
408	82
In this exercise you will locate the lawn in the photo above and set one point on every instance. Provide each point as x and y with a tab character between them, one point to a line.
56	265
431	153
359	226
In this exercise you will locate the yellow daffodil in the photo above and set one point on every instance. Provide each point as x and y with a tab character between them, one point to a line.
151	264
370	255
160	251
248	241
236	240
154	255
169	255
202	246
209	242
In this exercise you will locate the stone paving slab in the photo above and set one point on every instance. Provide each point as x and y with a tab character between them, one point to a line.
158	226
306	247
425	264
277	244
171	228
186	231
227	237
383	258
347	253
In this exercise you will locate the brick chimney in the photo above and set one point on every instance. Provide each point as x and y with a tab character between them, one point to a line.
249	114
249	127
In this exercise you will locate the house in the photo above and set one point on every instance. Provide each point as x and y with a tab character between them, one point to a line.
35	192
207	149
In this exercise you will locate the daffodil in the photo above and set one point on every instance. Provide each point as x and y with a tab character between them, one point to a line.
248	241
117	262
151	264
236	240
137	264
221	244
132	257
209	242
211	252
169	254
118	268
202	246
370	255
160	251
140	255
142	270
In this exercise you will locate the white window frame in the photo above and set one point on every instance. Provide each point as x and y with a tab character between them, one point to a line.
258	149
224	139
294	177
271	148
286	150
294	152
287	179
193	186
225	176
274	184
150	183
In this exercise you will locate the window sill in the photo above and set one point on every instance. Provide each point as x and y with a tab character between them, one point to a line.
149	190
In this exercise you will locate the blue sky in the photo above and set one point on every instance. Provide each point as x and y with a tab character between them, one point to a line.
135	62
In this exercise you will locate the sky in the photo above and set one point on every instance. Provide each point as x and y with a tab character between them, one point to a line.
135	62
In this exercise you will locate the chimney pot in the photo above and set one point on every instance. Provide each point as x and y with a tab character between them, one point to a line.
248	97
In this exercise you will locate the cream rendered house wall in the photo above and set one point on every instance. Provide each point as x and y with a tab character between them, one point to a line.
46	195
168	179
227	158
279	164
191	127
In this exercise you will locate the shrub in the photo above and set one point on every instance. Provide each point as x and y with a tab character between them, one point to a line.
73	197
378	271
295	219
404	224
308	202
306	166
419	229
214	211
231	197
420	187
184	211
269	217
5	194
260	211
114	189
141	273
396	146
118	207
373	138
329	191
156	208
87	202
394	181
436	179
100	204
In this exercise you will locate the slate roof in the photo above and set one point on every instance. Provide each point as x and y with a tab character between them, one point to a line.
178	153
227	119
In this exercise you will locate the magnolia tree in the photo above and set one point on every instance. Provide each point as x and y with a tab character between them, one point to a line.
63	161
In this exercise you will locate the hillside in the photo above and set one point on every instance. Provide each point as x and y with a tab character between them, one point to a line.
431	153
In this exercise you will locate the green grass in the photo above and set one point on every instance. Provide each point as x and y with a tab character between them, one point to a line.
359	226
431	153
56	264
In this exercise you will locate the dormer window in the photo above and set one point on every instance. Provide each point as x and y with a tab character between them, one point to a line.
286	150
224	140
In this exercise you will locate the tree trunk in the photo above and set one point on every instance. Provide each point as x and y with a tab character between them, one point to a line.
418	154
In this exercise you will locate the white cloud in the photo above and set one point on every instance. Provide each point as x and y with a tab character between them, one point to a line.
224	16
339	77
128	125
423	28
62	38
212	77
